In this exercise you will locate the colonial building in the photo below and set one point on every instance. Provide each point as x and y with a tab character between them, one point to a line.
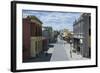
32	37
82	31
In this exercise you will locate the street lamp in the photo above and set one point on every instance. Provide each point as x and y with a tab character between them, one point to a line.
71	47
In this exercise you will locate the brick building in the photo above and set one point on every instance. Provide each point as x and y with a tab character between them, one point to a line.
32	37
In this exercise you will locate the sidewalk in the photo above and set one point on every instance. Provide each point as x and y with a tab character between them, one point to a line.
76	56
72	55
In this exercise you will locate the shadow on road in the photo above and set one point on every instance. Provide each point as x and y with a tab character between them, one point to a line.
41	58
50	46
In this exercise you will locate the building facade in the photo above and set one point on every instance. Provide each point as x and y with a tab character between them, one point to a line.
82	35
47	33
32	37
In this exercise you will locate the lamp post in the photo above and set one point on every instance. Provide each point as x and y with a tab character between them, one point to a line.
70	47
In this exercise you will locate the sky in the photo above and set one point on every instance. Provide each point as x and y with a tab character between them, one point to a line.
56	20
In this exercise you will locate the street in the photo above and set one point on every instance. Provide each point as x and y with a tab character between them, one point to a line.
60	53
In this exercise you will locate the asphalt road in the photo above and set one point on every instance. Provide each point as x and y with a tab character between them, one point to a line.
61	52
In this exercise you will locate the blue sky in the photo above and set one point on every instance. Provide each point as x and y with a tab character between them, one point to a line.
57	20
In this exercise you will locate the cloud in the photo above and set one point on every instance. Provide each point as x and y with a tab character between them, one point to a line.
57	20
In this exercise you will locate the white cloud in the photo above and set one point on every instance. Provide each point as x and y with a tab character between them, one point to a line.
57	20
